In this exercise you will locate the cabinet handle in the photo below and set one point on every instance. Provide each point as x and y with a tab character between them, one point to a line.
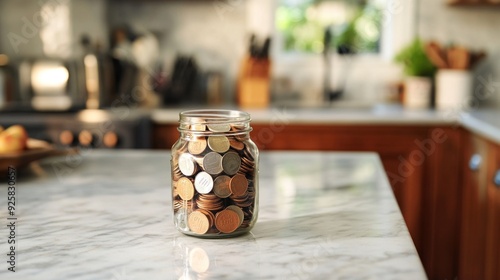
496	180
475	162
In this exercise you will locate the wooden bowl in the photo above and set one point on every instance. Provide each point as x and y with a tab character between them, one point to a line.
36	150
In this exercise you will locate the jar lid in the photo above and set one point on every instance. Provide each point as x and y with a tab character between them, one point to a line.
197	120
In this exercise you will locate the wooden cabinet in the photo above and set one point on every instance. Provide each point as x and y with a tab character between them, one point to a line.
492	259
480	229
474	208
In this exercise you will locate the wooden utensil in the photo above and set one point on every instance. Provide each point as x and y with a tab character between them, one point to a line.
462	57
476	58
435	55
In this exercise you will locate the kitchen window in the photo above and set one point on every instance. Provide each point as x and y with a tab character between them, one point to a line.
349	26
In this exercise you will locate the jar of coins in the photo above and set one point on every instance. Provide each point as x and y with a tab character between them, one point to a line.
214	174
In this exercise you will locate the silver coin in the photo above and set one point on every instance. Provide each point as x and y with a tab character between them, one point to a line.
219	127
218	144
231	162
212	163
197	127
187	165
203	183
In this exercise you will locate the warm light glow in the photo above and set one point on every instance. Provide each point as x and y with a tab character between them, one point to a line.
93	116
4	59
49	78
329	12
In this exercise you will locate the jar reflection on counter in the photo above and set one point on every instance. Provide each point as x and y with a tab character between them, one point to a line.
214	174
205	259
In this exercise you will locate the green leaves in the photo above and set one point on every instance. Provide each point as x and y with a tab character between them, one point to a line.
415	60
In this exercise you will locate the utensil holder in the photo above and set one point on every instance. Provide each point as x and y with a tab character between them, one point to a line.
453	89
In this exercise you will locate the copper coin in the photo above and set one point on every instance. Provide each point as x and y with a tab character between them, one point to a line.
238	126
203	182
215	127
238	185
237	145
198	222
221	186
197	146
185	188
227	221
238	211
218	144
212	163
209	202
187	165
231	162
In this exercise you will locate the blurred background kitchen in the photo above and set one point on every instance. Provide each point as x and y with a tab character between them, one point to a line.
61	56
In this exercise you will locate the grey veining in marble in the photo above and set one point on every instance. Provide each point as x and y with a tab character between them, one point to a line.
322	216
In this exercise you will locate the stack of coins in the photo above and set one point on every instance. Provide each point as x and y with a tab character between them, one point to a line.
213	175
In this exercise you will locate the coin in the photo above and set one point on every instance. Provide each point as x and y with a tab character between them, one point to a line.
198	127
219	127
237	145
238	185
199	260
238	211
210	216
227	221
187	165
197	146
231	162
209	202
185	188
212	163
218	144
221	186
198	222
203	182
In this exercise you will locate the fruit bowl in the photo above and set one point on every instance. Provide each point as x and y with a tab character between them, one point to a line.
36	149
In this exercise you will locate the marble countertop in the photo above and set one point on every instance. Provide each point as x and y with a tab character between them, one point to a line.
485	122
322	115
107	215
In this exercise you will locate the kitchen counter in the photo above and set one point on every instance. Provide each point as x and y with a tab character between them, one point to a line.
108	215
483	122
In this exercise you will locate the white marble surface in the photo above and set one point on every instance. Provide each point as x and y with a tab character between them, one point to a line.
484	122
327	115
322	216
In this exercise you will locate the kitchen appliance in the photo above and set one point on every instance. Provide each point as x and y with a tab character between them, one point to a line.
120	128
47	85
43	84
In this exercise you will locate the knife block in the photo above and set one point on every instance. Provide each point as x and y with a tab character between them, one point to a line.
253	87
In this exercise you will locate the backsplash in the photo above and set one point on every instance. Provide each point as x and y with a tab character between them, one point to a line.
215	35
473	27
50	27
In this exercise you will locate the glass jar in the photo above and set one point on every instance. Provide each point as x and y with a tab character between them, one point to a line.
215	182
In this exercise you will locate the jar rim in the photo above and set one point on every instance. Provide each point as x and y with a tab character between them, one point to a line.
213	116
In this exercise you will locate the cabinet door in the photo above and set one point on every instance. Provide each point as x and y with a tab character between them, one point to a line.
473	229
493	218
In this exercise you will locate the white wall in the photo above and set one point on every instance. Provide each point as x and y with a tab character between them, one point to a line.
24	33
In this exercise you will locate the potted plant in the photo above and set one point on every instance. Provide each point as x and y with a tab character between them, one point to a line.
419	71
